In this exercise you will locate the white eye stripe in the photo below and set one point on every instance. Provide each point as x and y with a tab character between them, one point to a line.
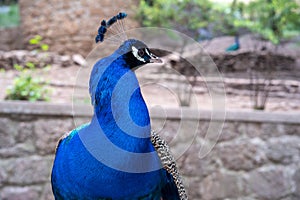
148	52
135	53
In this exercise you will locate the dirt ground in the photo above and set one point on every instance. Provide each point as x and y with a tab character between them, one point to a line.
68	84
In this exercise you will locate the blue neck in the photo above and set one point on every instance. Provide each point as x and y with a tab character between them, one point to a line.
236	39
120	109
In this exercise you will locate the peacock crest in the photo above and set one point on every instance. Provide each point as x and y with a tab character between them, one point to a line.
114	26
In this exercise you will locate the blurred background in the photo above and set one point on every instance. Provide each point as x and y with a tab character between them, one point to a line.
253	46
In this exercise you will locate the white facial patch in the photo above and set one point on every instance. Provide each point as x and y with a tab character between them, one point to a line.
148	52
135	53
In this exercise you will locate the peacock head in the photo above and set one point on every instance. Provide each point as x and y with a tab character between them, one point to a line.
137	53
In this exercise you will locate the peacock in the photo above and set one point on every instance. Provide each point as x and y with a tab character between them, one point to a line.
116	155
235	46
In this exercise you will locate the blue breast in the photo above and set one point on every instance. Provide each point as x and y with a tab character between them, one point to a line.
85	177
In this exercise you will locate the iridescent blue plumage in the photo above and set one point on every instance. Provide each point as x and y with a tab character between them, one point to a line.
112	21
235	46
98	160
121	15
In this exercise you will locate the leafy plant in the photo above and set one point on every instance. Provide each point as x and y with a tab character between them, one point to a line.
186	16
273	20
26	86
37	42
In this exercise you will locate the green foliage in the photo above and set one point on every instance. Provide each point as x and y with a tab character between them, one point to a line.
26	86
37	42
184	15
44	47
274	20
189	16
153	15
9	16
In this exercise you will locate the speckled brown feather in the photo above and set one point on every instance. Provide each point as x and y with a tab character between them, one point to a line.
168	162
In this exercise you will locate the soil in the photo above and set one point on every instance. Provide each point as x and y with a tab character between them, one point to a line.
68	84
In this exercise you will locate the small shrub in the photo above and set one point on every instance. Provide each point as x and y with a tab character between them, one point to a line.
25	85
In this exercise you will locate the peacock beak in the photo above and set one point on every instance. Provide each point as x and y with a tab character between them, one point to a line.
155	59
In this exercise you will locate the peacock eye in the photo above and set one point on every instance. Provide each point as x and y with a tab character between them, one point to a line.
141	52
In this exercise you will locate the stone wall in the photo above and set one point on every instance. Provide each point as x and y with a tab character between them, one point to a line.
21	57
257	155
10	38
69	26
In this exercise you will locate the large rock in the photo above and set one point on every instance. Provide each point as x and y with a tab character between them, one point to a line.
3	176
48	132
25	131
284	150
28	170
265	130
47	192
221	185
20	193
78	59
192	165
8	132
270	183
242	154
18	150
192	185
296	180
292	129
230	131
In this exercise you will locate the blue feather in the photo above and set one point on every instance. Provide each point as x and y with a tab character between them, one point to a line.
112	20
170	191
235	46
121	15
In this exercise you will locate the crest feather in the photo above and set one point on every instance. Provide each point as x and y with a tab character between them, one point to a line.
106	25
